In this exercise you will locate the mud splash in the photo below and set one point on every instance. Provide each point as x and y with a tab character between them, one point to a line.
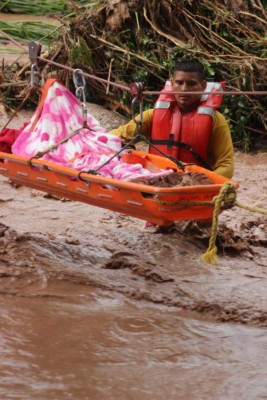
159	268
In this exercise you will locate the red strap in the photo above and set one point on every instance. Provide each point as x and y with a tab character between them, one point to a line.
176	123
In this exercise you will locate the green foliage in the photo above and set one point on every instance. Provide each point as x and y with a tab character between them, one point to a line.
39	7
25	31
237	111
80	53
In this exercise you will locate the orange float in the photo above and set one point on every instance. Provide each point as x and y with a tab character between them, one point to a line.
159	205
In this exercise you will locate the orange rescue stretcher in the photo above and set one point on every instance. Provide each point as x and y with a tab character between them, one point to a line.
159	205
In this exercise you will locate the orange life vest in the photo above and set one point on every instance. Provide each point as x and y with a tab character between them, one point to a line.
184	136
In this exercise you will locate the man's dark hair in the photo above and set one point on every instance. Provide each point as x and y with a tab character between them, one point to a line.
190	66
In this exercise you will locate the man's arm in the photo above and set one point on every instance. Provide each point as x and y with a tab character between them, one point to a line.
221	151
129	130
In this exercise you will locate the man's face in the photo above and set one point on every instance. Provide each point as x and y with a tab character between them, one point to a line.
187	82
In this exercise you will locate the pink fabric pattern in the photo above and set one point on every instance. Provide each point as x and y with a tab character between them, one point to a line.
87	150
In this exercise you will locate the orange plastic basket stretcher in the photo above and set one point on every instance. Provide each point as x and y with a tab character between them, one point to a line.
158	205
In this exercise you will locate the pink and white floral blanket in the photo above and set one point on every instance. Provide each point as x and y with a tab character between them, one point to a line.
89	149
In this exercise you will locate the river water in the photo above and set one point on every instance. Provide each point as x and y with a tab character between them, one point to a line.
96	307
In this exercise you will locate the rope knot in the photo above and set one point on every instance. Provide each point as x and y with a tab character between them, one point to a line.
227	196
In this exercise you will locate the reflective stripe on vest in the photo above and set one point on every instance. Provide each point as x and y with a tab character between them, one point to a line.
211	86
206	111
162	104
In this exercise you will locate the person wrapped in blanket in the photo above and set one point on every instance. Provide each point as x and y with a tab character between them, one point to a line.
60	116
187	125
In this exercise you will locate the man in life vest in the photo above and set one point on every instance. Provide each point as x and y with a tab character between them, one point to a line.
185	125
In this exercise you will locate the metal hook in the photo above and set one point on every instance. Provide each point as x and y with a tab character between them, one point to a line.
80	93
140	109
34	53
136	89
79	84
35	75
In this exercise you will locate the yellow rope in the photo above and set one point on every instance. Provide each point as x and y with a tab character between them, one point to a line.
224	200
251	208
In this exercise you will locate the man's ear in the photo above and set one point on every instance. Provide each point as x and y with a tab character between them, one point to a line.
204	84
171	80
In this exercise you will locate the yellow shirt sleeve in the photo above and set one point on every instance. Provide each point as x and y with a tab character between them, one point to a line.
129	130
220	154
220	151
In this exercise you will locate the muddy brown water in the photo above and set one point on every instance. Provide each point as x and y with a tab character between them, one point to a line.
95	306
